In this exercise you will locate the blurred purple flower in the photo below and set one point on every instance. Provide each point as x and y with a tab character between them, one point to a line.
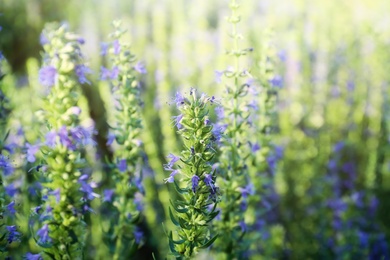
170	179
11	190
177	120
220	112
276	81
13	234
81	71
218	76
195	182
103	47
122	165
179	99
11	208
106	74
31	151
51	138
43	39
140	68
57	194
173	159
6	165
138	235
43	234
87	187
117	47
47	76
30	256
107	195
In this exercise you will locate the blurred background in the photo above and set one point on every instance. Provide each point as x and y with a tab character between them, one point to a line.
332	181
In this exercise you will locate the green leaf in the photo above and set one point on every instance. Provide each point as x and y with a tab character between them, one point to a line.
210	242
180	190
181	210
174	221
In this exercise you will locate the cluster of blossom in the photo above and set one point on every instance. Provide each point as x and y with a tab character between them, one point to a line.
198	193
126	162
62	168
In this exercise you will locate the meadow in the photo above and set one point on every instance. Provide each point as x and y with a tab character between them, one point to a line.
194	129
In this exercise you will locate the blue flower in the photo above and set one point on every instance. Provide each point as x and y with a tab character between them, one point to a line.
43	39
107	195
176	121
11	190
104	48
122	165
208	180
173	160
56	193
138	235
64	138
6	166
179	99
106	74
11	208
170	179
218	76
47	76
30	256
220	112
43	234
276	81
31	151
87	188
13	234
195	182
254	147
140	68
81	70
117	47
50	138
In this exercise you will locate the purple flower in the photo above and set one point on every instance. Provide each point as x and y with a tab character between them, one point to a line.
110	138
51	138
104	48
56	193
140	68
122	165
31	151
81	70
1	56
117	47
36	209
87	188
179	99
43	39
138	201
138	235
47	76
5	165
242	226
43	234
173	159
107	195
30	256
80	40
109	74
218	76
64	138
276	81
254	147
177	120
13	234
170	179
11	208
220	112
208	180
11	190
195	182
